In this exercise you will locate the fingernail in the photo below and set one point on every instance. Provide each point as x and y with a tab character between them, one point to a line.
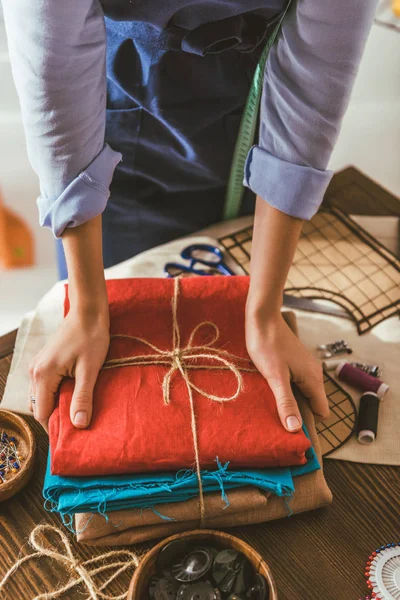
292	423
80	418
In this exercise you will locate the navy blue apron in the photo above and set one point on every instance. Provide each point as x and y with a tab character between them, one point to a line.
178	75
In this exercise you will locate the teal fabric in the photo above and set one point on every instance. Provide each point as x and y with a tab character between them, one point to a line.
70	495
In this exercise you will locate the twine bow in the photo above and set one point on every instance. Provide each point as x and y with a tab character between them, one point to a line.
81	572
183	360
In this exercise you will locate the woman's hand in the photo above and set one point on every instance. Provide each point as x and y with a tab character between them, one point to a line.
78	350
275	350
80	345
281	358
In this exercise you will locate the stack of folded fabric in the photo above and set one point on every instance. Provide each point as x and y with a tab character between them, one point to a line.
185	431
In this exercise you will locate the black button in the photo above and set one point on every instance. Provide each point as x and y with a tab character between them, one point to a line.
225	569
200	590
162	588
260	589
172	552
244	576
193	566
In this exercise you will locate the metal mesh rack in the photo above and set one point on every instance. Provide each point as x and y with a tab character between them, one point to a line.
336	260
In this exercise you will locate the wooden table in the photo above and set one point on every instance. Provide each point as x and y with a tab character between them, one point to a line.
315	556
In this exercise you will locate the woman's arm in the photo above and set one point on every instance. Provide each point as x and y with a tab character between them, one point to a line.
79	347
274	348
308	80
57	52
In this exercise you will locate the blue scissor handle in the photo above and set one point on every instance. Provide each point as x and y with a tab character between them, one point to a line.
187	254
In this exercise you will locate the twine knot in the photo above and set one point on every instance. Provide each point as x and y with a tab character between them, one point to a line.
183	360
81	571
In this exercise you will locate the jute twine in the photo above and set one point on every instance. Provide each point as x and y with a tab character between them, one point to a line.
183	360
81	572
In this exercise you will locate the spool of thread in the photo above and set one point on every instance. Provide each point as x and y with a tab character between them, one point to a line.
367	425
332	365
360	380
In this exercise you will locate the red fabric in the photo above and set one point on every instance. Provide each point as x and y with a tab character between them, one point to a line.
133	431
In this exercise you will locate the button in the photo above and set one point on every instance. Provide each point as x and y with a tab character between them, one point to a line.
260	589
200	590
172	552
194	565
226	566
162	588
244	576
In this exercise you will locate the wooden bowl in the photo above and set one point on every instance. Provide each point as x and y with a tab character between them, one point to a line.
138	589
16	426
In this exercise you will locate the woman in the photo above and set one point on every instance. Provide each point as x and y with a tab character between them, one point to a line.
162	86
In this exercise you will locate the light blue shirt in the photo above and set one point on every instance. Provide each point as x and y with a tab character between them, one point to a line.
58	52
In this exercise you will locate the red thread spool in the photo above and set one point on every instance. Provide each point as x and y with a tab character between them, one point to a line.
361	380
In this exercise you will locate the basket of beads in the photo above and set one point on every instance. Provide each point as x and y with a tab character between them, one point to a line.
17	454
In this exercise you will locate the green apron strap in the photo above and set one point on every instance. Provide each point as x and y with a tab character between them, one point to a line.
247	130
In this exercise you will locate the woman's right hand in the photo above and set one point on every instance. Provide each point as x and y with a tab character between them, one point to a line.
80	346
78	350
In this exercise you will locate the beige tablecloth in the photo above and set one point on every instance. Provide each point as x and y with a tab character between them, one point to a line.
381	345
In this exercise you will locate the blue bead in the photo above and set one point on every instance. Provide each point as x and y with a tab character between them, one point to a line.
377	550
383	547
12	439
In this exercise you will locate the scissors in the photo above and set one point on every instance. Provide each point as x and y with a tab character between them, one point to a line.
199	254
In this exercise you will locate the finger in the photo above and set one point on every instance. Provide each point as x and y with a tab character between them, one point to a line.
82	398
45	382
286	403
313	390
44	404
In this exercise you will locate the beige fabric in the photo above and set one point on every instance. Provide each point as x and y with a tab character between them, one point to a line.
247	506
381	345
92	527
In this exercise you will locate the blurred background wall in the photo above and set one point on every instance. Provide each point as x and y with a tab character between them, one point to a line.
370	140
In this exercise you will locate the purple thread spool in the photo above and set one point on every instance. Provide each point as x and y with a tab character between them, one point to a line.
361	380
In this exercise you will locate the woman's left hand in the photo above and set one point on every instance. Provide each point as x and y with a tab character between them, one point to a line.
281	358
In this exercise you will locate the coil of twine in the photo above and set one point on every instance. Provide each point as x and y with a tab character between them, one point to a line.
81	572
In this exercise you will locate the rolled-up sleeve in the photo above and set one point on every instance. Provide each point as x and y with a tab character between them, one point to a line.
57	52
308	80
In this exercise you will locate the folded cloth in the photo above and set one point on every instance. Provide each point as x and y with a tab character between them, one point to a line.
91	527
175	343
247	505
69	495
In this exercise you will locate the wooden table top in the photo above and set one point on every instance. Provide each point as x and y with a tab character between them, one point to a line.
316	556
320	555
